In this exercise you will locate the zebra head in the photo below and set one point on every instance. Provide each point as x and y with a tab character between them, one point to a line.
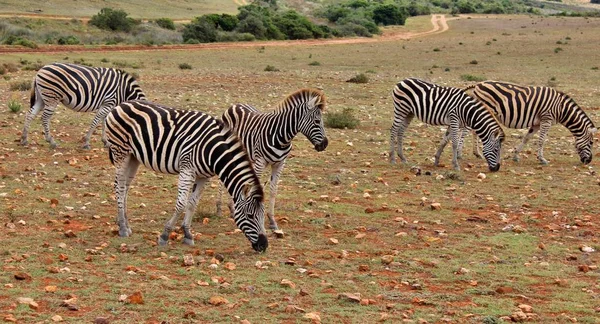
492	146
584	145
311	123
249	215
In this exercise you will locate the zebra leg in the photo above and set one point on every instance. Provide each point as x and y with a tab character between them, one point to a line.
100	115
398	129
33	111
461	144
126	170
191	209
186	179
544	128
220	200
476	146
46	116
393	141
455	135
526	139
440	149
275	173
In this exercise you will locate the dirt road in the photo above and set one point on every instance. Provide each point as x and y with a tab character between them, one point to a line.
439	25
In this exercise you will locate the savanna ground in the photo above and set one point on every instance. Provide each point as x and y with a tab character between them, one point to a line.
513	238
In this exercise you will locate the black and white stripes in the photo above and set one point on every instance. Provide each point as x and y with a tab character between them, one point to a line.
537	108
268	136
81	88
193	145
437	105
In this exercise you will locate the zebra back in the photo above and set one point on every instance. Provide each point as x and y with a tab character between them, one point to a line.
169	140
84	88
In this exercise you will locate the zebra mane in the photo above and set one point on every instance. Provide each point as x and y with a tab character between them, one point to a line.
303	95
228	133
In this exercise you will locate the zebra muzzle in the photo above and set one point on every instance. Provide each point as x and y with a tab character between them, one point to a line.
261	244
322	146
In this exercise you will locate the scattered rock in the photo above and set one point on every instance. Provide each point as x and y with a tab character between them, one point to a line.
188	260
387	259
525	308
57	318
436	206
333	241
279	233
287	283
314	317
10	318
518	317
587	249
355	298
291	309
22	276
101	320
229	266
135	298
363	268
584	268
481	176
504	290
70	234
217	301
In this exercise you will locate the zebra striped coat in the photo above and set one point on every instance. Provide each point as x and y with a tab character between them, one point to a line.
80	88
268	136
193	145
438	105
537	108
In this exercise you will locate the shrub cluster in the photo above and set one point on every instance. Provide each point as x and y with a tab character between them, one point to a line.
113	19
341	120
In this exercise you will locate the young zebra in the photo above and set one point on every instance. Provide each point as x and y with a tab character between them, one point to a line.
81	88
268	136
437	105
193	145
536	108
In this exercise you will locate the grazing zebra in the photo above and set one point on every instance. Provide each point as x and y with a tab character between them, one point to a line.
536	108
268	136
437	105
81	88
193	145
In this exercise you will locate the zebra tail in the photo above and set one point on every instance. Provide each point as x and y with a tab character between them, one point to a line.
32	96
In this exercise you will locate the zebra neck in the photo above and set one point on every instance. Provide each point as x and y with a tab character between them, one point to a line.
283	127
574	119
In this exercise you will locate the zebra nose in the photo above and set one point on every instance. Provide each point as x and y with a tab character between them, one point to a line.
495	167
322	146
586	160
262	243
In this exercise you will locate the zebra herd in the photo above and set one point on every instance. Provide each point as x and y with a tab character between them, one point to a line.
244	142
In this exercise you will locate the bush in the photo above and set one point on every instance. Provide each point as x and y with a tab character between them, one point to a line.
271	68
474	62
185	66
14	105
314	63
20	86
10	67
67	40
359	78
341	120
389	14
111	19
200	29
166	23
234	37
16	40
470	77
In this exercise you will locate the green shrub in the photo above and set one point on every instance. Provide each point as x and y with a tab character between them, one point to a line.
271	68
14	105
166	23
104	60
234	37
33	66
557	50
68	40
389	14
474	62
314	63
359	78
20	86
436	49
470	77
341	120
16	40
113	19
185	66
200	29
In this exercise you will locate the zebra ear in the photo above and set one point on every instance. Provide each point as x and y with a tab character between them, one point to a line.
246	189
594	130
313	102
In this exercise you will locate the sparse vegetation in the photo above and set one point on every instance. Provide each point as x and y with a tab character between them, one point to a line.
271	68
474	62
314	63
359	78
185	66
342	120
166	23
14	105
470	77
20	86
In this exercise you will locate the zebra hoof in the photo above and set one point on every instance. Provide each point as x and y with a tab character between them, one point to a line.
544	162
163	241
86	147
53	145
124	231
24	142
188	241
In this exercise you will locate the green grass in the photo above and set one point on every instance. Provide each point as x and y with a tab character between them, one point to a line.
494	258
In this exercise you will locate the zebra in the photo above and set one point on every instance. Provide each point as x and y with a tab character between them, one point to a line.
438	105
189	143
536	108
268	136
81	88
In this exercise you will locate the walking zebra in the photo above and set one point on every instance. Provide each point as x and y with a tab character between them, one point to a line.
81	88
536	108
193	145
437	105
268	136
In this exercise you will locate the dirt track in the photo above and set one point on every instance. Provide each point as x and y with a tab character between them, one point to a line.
439	25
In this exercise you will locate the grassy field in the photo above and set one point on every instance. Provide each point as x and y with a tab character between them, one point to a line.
174	9
513	241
